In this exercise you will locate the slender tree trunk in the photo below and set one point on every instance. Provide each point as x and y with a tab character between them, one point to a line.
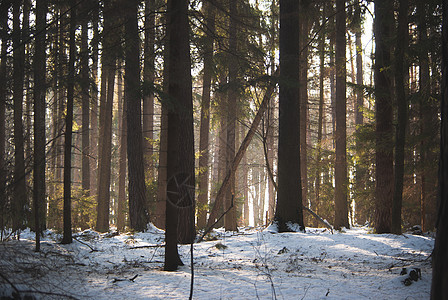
105	144
4	7
384	142
303	97
289	194
20	195
67	237
439	287
402	115
138	214
160	215
39	121
180	167
148	80
209	30
341	180
94	102
360	171
320	120
85	103
425	116
121	207
230	218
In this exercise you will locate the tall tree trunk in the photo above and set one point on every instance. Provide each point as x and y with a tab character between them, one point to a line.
320	119
439	286
138	214
180	167
341	180
121	206
384	139
105	141
148	81
289	194
39	121
402	115
4	7
303	96
94	101
230	218
67	237
20	194
209	30
425	116
85	103
160	215
360	171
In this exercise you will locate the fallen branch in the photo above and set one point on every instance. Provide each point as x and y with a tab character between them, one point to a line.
85	244
148	246
239	155
211	227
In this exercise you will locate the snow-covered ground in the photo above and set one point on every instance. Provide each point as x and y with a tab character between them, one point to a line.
250	264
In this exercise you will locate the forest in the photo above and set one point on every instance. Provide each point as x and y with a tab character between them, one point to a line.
131	116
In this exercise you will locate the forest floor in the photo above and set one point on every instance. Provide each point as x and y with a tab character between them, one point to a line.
251	264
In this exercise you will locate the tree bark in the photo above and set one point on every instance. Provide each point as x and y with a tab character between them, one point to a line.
39	121
148	81
341	180
439	286
85	103
105	140
383	113
121	207
402	115
303	96
209	30
67	236
20	194
4	7
138	214
180	167
289	195
230	218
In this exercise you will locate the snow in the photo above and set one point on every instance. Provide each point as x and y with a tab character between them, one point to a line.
250	264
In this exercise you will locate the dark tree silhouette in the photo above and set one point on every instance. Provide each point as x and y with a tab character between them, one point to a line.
180	160
439	287
384	138
289	195
138	215
67	237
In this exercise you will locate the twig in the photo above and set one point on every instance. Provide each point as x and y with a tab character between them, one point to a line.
10	283
148	246
85	244
213	225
